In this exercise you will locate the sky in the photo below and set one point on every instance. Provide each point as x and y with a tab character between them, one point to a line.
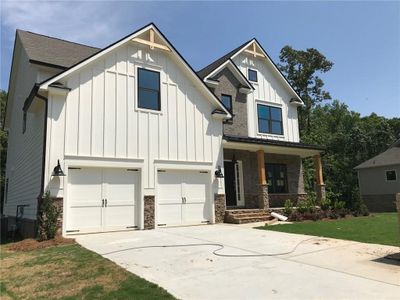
362	39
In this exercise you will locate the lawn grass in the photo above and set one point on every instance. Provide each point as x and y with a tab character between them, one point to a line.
379	228
69	272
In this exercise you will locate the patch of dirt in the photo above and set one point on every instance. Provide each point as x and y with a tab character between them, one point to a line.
31	244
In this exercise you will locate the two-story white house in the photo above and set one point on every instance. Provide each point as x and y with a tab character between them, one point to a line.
130	137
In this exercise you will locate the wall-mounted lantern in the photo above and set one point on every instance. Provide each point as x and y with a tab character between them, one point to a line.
57	171
218	173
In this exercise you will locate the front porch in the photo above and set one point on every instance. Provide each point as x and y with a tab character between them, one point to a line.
262	174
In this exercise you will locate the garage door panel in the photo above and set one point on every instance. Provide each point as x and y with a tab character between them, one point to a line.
194	213
172	187
86	190
169	214
86	219
119	217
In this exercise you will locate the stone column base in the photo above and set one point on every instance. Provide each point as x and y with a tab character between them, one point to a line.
59	203
219	207
263	198
321	192
149	217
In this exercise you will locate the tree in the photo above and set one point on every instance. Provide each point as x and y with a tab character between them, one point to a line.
3	145
301	68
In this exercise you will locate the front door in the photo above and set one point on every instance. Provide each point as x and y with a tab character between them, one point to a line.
230	183
234	183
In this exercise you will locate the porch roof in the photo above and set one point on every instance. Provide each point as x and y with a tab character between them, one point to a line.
271	146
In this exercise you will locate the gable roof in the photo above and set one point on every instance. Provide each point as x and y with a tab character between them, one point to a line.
217	63
230	55
46	83
53	52
390	157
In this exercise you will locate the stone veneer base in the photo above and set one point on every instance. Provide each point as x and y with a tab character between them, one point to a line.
149	215
220	207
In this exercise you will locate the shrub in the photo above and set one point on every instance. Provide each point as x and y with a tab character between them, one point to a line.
358	206
302	207
325	204
48	215
339	205
288	207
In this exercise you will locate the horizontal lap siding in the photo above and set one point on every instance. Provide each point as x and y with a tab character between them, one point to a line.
102	119
24	155
271	90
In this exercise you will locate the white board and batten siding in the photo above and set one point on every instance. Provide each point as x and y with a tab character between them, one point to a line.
98	120
269	90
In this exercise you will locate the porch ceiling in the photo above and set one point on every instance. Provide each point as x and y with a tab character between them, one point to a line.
271	146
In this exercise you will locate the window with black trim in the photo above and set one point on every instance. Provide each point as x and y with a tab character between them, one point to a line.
24	122
149	89
391	175
227	101
252	74
269	119
276	175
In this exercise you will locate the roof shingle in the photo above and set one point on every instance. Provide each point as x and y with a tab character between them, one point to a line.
53	51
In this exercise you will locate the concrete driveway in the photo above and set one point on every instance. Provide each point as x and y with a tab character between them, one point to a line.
319	268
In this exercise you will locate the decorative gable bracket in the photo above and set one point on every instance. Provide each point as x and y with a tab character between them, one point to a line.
151	41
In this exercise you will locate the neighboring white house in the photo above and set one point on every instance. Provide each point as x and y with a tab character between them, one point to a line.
138	134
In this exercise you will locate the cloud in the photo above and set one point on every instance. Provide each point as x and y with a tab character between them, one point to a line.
84	22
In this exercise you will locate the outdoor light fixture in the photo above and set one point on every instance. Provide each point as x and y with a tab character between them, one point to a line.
57	171
218	173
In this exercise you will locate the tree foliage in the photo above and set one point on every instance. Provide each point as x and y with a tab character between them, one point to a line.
349	138
301	69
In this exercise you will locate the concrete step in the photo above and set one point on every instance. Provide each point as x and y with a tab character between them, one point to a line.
244	210
251	220
241	216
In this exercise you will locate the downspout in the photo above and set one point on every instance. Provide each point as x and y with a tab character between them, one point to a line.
44	143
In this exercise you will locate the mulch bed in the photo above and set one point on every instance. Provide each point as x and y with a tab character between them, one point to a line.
31	244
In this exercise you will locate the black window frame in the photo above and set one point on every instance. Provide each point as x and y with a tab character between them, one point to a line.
272	185
230	101
139	105
395	175
269	120
255	72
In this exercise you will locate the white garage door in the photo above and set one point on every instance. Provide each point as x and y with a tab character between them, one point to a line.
183	197
101	199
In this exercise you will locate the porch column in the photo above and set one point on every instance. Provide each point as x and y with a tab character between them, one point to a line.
263	201
320	186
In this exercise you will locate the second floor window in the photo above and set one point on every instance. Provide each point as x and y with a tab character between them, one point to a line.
227	101
149	89
252	75
269	119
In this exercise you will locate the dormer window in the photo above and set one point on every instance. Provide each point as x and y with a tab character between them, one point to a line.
252	74
269	119
227	101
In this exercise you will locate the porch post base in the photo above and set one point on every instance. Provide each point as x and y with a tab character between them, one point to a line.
219	207
263	198
321	192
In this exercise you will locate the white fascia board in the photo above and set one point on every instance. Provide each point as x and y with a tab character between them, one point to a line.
212	97
196	78
83	63
286	83
229	64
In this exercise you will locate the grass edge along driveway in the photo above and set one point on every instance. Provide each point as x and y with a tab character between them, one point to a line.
379	228
69	272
